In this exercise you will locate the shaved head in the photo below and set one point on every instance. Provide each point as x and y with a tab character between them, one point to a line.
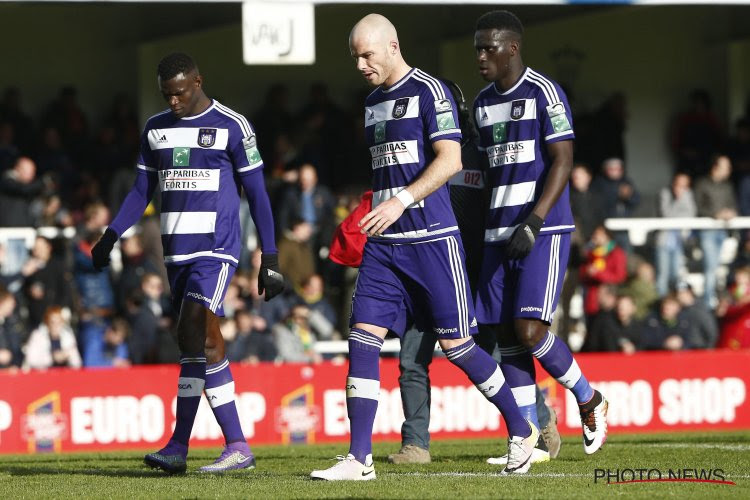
376	28
374	44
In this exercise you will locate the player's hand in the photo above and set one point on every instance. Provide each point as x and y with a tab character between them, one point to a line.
381	218
270	278
100	252
522	240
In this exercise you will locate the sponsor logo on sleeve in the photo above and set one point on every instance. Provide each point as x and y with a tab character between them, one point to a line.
445	121
443	105
251	149
558	117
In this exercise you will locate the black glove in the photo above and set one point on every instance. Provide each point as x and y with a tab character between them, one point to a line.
270	279
523	238
100	252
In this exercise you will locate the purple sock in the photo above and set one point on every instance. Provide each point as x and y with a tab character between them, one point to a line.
484	373
189	390
518	367
220	395
362	390
555	356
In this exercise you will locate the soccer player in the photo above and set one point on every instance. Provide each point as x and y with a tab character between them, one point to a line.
469	202
525	129
413	262
199	153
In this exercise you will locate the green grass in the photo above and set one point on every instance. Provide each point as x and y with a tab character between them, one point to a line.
458	471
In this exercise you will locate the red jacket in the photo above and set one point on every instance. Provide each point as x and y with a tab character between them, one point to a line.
609	269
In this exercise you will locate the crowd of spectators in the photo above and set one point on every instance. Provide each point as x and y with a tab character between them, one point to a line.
58	171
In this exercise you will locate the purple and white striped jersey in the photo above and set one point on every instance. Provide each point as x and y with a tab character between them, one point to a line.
197	159
401	123
514	129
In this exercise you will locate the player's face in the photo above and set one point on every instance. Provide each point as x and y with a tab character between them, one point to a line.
494	49
373	59
182	93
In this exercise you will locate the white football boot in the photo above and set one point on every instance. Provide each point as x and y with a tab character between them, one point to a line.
594	420
537	457
520	450
347	469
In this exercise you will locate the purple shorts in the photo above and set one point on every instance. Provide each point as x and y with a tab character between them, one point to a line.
201	281
425	283
525	288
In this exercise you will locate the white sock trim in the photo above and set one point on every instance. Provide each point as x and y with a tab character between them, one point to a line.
221	395
572	376
188	387
362	388
524	395
492	385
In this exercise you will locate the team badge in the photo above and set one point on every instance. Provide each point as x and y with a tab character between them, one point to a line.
443	105
206	137
445	121
517	109
379	132
499	132
558	118
181	157
399	108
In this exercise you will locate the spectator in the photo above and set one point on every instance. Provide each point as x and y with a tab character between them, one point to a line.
11	332
587	213
674	201
8	150
95	292
714	197
703	322
271	312
296	259
233	301
696	135
600	327
105	345
66	115
294	339
609	129
616	191
273	120
311	294
642	288
734	313
47	281
614	331
135	265
605	264
253	343
667	328
311	202
52	344
53	213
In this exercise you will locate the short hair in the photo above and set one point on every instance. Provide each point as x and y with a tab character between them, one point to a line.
174	64
501	20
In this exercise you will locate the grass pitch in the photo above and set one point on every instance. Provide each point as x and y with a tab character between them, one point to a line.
458	471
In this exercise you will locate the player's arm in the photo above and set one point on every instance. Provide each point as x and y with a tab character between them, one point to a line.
249	165
130	212
561	154
447	162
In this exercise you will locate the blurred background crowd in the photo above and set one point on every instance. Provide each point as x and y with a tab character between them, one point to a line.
63	175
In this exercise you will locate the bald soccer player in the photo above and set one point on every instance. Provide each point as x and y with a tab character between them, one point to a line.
413	264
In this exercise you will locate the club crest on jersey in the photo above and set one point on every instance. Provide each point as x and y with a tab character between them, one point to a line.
517	109
399	108
206	137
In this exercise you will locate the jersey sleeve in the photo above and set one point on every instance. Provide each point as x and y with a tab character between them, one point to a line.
243	148
553	112
146	161
438	111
